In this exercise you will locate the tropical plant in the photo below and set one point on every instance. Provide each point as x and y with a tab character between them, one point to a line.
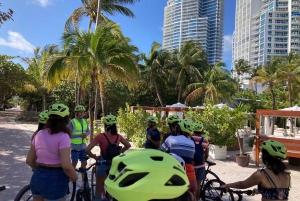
4	16
90	9
241	66
289	70
13	78
216	85
134	124
187	65
268	75
220	129
153	68
106	50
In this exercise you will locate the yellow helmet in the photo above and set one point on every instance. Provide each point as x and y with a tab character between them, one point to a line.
146	174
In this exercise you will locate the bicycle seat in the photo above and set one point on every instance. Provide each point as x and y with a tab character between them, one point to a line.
210	163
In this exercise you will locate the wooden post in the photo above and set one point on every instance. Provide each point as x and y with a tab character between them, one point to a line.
257	147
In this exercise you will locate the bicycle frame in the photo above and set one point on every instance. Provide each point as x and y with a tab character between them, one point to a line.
85	192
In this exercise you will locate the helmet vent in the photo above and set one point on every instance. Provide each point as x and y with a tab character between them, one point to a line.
111	177
121	166
175	180
274	148
177	168
132	178
157	158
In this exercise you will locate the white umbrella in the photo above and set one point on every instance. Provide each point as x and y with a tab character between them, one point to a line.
222	105
294	108
177	105
199	107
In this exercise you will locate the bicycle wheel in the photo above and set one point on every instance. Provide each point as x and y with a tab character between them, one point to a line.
82	196
24	194
211	175
93	182
211	192
71	191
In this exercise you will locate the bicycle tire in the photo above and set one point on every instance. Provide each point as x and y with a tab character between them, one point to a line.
214	176
72	191
210	193
93	182
22	193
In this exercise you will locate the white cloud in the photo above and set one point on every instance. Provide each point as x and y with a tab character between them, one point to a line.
43	3
17	41
227	48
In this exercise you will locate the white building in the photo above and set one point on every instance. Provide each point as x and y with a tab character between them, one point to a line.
200	20
273	29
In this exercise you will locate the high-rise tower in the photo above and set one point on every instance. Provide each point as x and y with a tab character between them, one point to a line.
200	20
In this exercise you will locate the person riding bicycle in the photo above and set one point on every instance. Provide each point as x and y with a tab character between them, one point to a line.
153	134
183	147
274	180
105	140
200	169
172	121
147	174
49	156
43	117
80	130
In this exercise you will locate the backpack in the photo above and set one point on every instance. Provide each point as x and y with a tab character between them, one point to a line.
112	150
199	152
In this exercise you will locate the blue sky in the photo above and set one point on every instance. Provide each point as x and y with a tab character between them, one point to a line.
41	22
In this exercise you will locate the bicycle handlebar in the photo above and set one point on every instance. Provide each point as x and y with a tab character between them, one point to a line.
96	163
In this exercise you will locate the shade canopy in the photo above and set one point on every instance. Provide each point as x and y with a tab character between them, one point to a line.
177	105
294	108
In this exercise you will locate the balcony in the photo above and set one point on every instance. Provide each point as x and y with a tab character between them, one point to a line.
295	2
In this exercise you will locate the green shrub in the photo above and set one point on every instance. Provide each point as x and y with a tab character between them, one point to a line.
134	124
250	141
29	116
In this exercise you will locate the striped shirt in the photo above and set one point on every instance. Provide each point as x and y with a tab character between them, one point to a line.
205	145
180	145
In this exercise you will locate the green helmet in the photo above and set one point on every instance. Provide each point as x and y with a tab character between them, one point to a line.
173	118
79	108
110	120
275	148
198	126
43	117
186	126
59	109
152	119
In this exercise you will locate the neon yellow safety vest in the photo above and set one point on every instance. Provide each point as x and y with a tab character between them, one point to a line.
78	129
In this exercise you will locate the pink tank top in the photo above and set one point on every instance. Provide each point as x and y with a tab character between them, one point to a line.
47	146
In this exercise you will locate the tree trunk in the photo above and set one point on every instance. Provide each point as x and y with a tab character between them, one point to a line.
98	13
102	96
290	93
91	102
44	100
239	141
273	108
179	94
76	93
96	100
90	25
158	95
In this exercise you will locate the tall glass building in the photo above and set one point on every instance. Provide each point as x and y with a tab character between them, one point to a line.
200	20
274	30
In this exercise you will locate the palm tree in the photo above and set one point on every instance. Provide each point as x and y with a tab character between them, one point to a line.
187	64
153	69
216	84
268	75
90	9
241	66
36	69
289	70
252	74
105	50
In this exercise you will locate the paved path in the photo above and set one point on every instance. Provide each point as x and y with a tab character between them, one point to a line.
14	145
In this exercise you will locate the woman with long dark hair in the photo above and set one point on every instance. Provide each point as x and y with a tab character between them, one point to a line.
273	181
49	156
